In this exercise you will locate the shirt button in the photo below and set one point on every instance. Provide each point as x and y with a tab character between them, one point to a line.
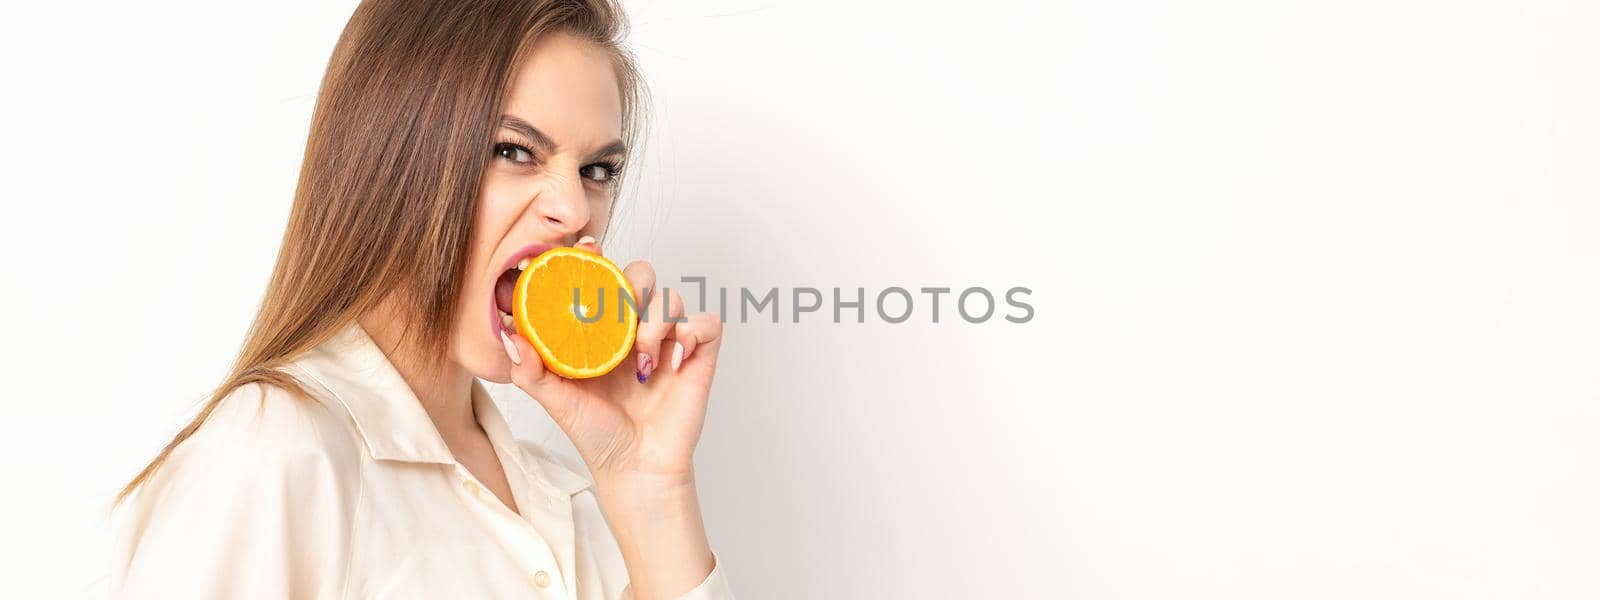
470	486
541	579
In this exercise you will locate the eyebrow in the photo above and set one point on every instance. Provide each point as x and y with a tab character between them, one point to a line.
548	145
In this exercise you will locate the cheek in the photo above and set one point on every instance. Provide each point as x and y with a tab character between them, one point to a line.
501	202
495	215
502	198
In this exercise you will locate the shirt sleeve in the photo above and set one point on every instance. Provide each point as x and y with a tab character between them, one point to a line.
254	505
715	586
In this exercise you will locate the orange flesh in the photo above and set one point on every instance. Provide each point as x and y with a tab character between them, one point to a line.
542	308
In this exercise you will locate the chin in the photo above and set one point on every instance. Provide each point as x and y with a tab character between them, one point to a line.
482	360
494	368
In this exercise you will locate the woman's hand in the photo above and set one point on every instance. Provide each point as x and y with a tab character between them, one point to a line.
637	432
641	421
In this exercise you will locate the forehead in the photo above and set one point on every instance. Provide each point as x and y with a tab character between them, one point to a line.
567	89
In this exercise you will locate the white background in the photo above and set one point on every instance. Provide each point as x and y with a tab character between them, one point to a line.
1316	283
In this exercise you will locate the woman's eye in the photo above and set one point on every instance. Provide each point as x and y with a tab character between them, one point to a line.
600	173
513	153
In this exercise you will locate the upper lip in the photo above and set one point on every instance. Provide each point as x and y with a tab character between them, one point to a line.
528	251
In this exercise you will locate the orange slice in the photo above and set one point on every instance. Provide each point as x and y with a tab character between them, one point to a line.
543	310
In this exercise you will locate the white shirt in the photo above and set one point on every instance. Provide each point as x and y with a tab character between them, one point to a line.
352	493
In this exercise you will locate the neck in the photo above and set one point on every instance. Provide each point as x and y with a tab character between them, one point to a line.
444	389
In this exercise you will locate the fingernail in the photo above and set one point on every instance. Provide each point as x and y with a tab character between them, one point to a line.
588	239
511	349
645	366
677	355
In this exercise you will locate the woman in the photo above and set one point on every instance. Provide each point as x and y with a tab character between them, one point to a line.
352	452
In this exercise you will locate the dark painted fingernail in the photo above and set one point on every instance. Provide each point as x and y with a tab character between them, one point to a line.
645	367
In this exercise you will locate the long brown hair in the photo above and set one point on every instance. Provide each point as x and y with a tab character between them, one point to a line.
402	131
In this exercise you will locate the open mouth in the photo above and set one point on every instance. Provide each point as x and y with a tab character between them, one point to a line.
505	287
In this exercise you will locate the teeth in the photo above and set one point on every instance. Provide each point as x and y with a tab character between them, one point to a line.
506	320
522	265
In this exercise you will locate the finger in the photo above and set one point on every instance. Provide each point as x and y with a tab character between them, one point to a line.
641	276
702	331
657	322
588	243
529	374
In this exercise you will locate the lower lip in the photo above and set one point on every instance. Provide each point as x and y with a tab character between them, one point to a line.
494	314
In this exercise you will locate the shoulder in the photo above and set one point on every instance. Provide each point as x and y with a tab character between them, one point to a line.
268	483
263	435
276	426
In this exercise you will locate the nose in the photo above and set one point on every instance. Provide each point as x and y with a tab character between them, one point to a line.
564	207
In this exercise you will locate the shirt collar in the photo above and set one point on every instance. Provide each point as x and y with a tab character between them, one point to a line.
391	420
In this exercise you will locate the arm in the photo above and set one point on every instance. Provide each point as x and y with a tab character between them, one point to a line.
636	429
662	538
